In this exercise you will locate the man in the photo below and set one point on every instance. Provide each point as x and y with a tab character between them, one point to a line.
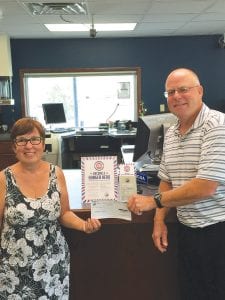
192	173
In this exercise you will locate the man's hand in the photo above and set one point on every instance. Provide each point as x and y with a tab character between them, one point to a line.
159	235
139	203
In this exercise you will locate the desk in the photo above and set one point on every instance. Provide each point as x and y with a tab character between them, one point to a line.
74	146
119	262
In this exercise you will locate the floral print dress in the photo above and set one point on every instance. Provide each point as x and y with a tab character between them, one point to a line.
34	255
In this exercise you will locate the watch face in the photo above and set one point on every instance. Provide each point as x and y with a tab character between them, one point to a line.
157	198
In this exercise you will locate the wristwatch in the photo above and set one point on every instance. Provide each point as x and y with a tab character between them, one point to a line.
157	197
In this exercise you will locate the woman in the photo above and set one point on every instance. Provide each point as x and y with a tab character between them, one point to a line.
34	256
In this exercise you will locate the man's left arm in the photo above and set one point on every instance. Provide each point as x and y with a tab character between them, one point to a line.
192	191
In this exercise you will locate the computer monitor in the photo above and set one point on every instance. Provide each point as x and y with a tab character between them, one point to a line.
150	137
54	113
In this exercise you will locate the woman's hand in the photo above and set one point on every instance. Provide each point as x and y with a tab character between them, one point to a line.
91	225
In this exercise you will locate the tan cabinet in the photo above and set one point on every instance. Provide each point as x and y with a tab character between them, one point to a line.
7	156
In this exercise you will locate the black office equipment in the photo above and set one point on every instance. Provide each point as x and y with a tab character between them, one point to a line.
54	113
149	137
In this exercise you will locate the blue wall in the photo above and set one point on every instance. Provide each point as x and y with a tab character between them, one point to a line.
156	56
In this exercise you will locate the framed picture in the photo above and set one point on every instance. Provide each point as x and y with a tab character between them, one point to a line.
123	91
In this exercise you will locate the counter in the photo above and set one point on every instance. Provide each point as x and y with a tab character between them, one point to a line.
119	262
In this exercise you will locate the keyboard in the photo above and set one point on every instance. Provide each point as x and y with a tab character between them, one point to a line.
62	130
121	133
90	132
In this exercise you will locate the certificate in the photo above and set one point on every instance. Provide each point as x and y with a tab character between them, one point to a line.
127	181
99	178
126	169
127	187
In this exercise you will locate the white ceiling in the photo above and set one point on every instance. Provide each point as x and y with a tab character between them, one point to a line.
153	17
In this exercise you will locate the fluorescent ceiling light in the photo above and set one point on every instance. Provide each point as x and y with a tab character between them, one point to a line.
86	27
67	27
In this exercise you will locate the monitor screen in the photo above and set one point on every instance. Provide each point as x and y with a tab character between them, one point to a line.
150	137
54	113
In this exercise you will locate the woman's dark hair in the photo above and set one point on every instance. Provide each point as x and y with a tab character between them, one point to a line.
26	125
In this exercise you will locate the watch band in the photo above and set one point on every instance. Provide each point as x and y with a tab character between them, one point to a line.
157	197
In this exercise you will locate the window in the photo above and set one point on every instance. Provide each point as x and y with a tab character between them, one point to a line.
89	97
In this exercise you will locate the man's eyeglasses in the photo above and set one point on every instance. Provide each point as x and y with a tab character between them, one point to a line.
34	140
180	90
